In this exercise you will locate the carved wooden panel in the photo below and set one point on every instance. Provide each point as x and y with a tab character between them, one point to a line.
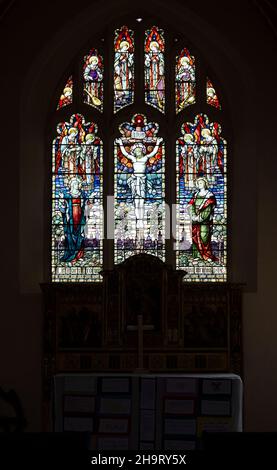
212	323
72	322
188	327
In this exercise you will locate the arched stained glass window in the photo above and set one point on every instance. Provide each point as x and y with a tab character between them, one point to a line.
66	96
154	68
76	202
148	93
123	68
93	79
184	80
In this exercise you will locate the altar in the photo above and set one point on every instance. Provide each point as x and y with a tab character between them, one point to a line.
147	411
142	318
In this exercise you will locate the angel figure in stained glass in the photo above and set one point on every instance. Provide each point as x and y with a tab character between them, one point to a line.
66	96
123	68
207	154
201	151
90	158
154	63
93	76
70	151
185	80
188	160
185	71
212	97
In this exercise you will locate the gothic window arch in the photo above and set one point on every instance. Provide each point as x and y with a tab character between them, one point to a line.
139	117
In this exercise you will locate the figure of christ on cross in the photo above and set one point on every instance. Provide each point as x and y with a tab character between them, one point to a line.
137	181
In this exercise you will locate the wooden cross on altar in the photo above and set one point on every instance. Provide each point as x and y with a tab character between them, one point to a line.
140	327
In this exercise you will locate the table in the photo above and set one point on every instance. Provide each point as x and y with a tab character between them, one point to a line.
147	411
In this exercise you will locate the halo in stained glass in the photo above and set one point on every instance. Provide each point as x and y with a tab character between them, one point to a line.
154	68
76	202
139	190
201	236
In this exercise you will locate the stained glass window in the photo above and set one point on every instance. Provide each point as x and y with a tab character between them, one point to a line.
201	201
212	98
154	74
184	80
93	71
139	190
123	68
135	164
66	96
76	202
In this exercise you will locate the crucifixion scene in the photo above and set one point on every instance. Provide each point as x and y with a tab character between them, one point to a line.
139	195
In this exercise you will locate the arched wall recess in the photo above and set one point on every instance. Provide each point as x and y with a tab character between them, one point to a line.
42	270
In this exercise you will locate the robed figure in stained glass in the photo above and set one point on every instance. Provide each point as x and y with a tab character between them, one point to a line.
66	96
123	68
70	151
212	97
185	80
202	206
201	151
72	206
154	68
93	77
